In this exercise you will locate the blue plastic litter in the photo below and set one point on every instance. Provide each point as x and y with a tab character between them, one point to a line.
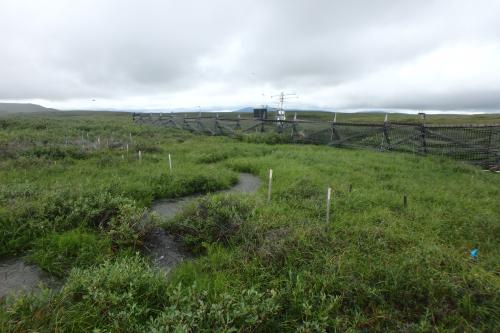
473	253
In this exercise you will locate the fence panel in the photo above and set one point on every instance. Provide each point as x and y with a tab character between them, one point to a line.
479	144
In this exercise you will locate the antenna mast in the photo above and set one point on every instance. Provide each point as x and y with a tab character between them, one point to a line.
280	113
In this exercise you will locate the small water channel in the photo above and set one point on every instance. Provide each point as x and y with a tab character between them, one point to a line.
18	276
163	249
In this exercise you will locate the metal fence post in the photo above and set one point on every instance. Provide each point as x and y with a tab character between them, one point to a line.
386	133
422	135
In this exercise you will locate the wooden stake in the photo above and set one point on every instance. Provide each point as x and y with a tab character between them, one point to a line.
127	148
405	200
170	163
140	156
328	201
350	188
269	190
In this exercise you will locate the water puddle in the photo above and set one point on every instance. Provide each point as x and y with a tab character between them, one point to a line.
165	251
16	276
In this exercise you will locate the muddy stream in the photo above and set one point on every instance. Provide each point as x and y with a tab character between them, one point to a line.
18	276
163	249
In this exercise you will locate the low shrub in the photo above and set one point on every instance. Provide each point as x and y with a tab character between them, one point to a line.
128	296
59	253
184	183
148	147
118	217
212	157
56	153
211	219
194	311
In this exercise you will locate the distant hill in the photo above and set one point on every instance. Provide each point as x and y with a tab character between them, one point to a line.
22	108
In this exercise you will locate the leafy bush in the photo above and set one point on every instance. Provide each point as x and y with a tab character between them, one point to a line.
55	153
212	157
116	216
59	211
211	219
192	310
128	296
58	253
148	147
186	183
129	226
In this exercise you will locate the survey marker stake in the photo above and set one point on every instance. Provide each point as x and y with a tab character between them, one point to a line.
270	185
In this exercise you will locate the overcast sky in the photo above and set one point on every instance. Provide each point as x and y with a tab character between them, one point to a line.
415	54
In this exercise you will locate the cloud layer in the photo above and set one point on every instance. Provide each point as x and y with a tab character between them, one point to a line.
334	54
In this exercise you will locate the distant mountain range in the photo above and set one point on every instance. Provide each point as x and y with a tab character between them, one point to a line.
22	108
32	108
12	108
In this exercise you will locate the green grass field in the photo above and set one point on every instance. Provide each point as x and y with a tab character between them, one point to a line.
78	209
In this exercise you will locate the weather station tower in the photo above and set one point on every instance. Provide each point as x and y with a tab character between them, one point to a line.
280	113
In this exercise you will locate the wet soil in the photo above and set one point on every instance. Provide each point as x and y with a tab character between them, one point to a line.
164	250
17	276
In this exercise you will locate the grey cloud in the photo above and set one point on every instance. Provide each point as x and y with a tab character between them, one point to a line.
60	50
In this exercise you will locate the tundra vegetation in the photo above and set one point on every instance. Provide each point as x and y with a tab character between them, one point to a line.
75	202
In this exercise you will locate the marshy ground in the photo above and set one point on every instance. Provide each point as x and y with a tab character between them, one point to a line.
75	202
165	251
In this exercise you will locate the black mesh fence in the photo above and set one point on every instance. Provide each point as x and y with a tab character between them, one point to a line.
479	144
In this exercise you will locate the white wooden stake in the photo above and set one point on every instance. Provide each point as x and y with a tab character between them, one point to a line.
130	136
328	198
140	156
127	148
270	185
123	157
170	163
